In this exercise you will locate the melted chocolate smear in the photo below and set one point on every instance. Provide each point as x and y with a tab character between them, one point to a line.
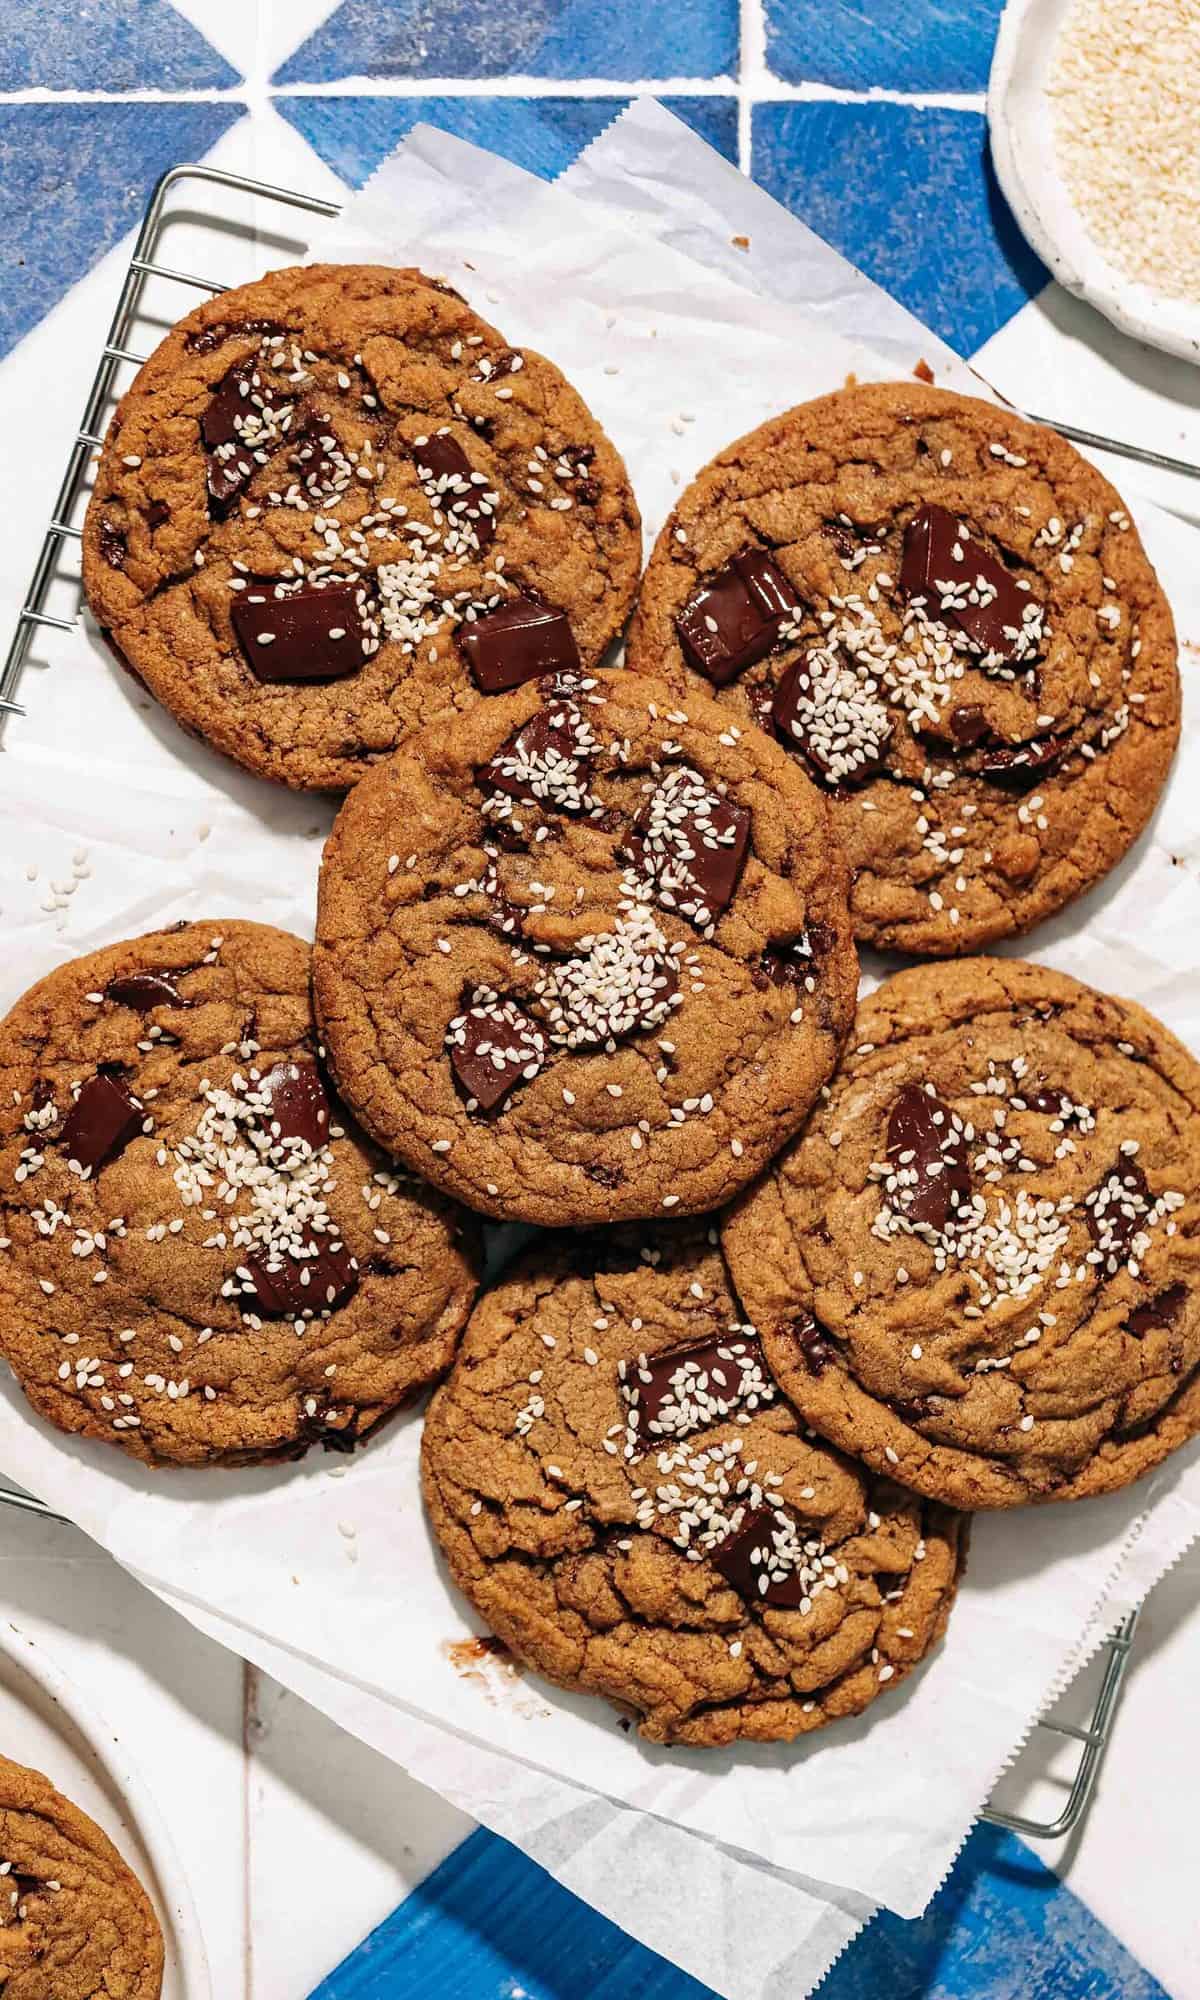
734	1557
718	1376
157	513
441	458
143	990
939	554
696	868
969	725
316	455
310	635
490	367
283	1287
103	1119
1162	1311
229	471
113	546
736	616
812	1342
299	1103
936	1180
495	1047
517	642
791	962
204	339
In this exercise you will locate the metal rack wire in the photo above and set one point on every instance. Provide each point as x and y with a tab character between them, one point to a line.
1094	1732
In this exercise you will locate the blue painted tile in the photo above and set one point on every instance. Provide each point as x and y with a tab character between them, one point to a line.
76	177
621	40
544	134
488	1922
108	45
922	45
909	196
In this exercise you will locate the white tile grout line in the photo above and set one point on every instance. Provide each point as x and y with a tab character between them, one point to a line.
758	86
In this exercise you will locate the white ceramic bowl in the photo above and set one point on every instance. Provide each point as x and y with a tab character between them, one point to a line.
46	1723
1020	121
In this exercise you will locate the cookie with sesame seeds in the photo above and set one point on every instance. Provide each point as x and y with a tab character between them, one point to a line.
336	503
75	1922
202	1260
583	954
979	1265
947	615
626	1500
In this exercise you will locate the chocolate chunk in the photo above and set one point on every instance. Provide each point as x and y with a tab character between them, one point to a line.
203	339
143	990
490	367
1161	1311
813	1344
928	1155
687	1389
318	457
1018	766
113	546
103	1119
230	461
283	1286
968	725
542	762
1049	1099
517	642
834	718
740	1559
1116	1211
493	1047
692	844
309	635
736	617
298	1103
443	465
157	513
793	960
962	582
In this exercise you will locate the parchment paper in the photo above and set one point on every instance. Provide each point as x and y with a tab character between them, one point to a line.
676	359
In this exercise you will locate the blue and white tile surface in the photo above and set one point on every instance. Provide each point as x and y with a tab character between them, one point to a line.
308	1852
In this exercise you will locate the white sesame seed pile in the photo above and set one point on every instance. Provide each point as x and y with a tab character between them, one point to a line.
278	1188
1125	97
618	983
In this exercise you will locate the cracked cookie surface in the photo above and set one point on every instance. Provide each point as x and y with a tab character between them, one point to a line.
979	1266
630	1506
203	1260
583	954
75	1922
315	486
948	616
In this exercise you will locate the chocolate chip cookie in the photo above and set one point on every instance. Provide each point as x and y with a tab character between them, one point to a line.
627	1501
948	617
335	504
583	954
201	1259
75	1922
979	1266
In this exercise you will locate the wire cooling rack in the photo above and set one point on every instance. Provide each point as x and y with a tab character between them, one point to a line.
150	301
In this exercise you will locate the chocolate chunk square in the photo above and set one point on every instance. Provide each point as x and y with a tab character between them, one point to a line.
309	635
736	616
517	642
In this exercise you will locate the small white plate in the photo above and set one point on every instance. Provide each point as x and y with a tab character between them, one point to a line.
45	1723
1020	118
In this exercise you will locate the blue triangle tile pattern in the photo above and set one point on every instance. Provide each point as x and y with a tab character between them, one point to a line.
543	134
76	177
908	194
923	45
107	45
620	40
490	1923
